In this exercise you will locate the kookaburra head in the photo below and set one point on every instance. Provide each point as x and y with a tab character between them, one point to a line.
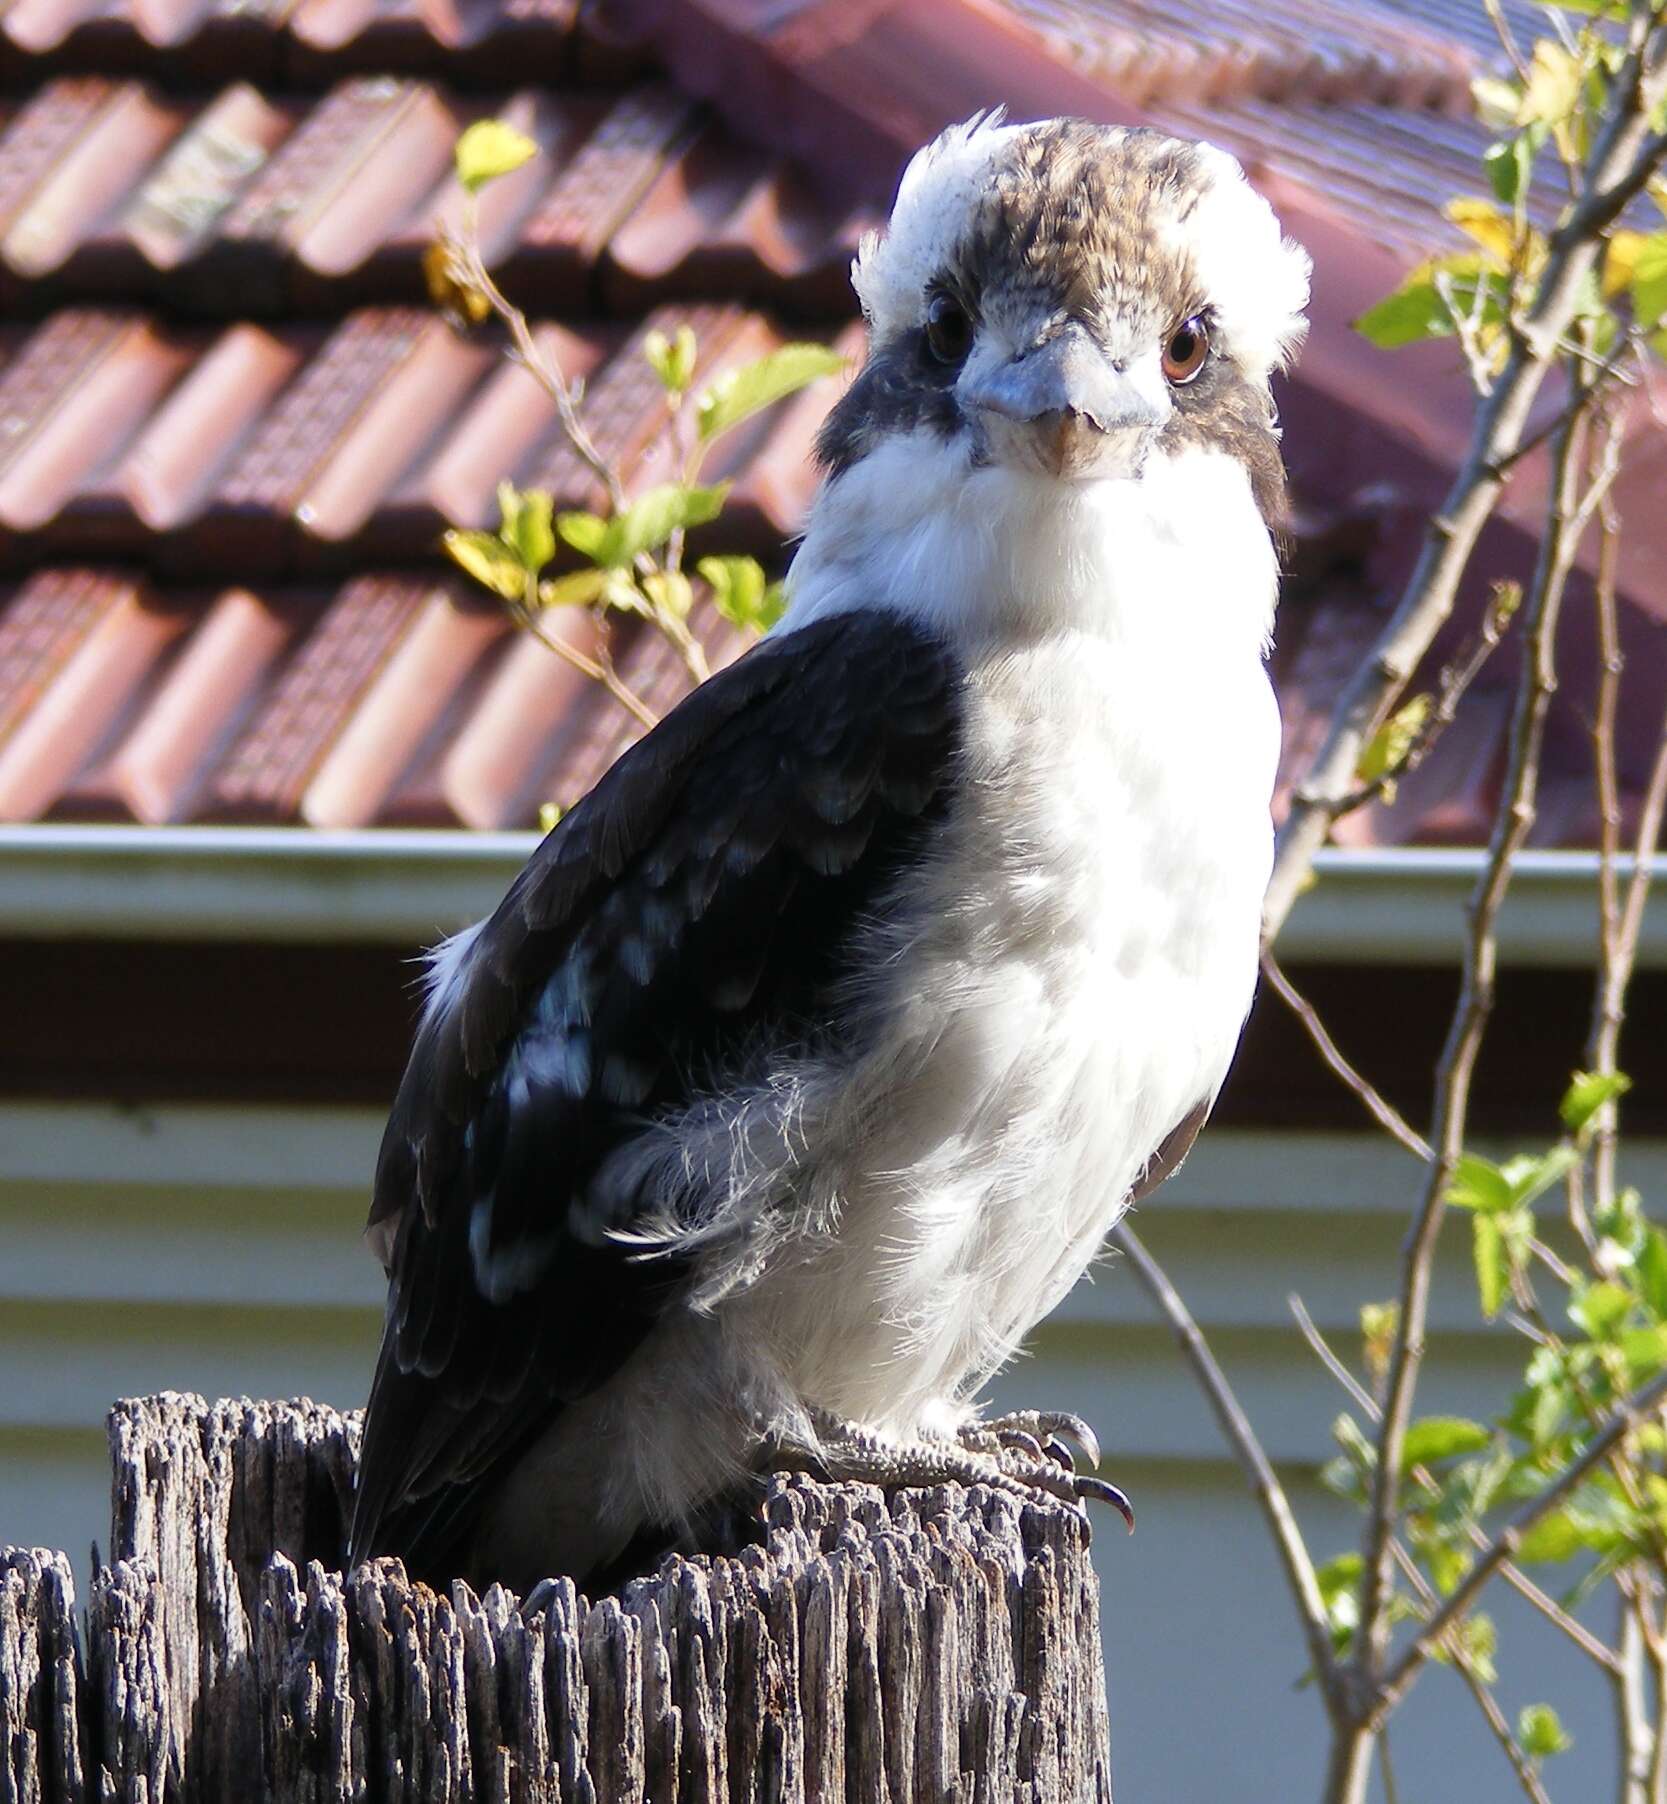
1062	306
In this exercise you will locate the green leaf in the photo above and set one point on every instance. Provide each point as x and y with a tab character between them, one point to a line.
1492	1273
1541	1733
1479	1184
1649	280
1441	1437
1508	164
741	593
1339	1585
1588	1091
1644	1350
1338	1578
672	359
1530	1175
1386	751
1650	1268
1422	307
489	149
1480	1640
648	522
671	592
578	589
527	528
1600	1309
488	560
738	394
586	533
1551	1541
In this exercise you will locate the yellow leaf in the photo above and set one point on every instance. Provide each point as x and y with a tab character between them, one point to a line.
462	304
549	816
488	560
489	149
1496	101
1483	223
578	589
1620	260
1553	90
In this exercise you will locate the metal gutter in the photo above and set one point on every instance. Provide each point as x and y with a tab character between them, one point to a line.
406	887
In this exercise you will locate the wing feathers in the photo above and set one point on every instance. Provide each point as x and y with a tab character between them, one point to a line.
696	906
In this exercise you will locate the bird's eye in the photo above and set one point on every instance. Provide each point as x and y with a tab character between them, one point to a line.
948	329
1189	345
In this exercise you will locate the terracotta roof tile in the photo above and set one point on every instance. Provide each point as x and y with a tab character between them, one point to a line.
280	203
221	382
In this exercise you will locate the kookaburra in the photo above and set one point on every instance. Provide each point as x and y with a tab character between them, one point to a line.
810	1059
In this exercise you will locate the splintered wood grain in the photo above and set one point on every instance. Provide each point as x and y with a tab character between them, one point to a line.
41	1682
931	1647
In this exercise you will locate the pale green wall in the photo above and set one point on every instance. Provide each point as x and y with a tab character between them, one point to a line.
219	1251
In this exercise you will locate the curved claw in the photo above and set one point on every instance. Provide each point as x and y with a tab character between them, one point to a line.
1051	1425
1100	1491
1020	1442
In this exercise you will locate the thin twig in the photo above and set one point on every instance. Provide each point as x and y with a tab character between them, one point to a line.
1241	1437
598	671
1627	1416
1609	989
1377	1105
1453	1645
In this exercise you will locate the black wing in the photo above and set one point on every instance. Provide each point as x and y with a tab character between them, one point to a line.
698	902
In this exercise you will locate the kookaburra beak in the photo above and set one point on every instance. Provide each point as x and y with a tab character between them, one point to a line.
1066	406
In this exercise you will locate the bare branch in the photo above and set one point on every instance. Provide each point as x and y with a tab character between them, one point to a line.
1241	1437
1378	1106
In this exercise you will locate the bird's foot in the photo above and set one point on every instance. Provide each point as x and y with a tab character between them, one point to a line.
1022	1454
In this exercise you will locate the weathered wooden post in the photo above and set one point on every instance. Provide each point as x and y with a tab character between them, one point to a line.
934	1646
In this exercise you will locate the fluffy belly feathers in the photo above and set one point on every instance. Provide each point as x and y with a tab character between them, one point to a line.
1082	960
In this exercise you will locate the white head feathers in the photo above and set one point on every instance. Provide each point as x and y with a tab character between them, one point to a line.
1192	200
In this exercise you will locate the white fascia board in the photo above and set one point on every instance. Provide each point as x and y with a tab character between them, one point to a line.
394	886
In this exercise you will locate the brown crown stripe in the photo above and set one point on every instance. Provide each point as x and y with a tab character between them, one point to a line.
42	134
328	150
318	410
625	407
178	207
611	172
271	765
53	363
42	625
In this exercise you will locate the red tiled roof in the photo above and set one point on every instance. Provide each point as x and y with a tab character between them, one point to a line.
232	429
